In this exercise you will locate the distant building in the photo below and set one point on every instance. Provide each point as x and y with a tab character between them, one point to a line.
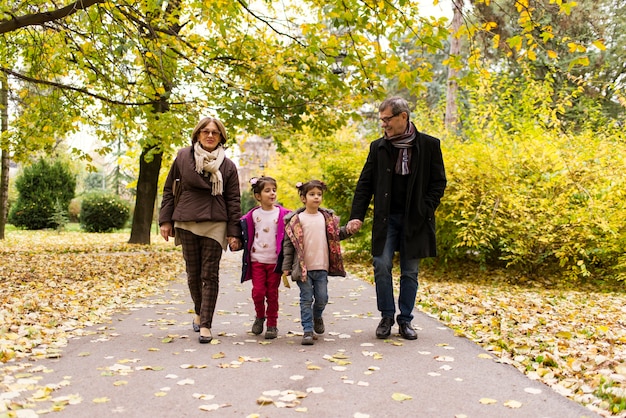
255	154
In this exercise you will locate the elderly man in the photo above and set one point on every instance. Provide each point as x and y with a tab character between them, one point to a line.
404	171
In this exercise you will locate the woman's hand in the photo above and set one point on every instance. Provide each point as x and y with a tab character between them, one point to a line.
166	230
234	243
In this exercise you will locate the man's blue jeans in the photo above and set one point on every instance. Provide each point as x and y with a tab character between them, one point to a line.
313	297
409	268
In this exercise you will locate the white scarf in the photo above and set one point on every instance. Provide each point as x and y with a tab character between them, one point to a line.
208	163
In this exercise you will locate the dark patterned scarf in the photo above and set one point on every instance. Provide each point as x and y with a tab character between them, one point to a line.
404	142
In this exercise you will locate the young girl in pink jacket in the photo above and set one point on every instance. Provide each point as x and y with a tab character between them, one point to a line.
263	229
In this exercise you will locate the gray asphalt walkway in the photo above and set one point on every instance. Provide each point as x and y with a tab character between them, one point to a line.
148	363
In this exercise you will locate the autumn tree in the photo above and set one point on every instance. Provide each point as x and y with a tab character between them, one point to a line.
574	43
150	69
4	167
147	70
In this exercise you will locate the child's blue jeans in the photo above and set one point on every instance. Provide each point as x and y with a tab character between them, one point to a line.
313	297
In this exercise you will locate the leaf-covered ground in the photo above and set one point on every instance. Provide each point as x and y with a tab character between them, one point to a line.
575	341
52	284
572	340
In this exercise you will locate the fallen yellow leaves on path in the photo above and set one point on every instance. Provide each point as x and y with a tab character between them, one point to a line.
53	285
572	340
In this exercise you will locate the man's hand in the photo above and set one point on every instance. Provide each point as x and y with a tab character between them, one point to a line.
353	226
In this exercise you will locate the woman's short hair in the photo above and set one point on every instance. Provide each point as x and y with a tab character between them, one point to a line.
203	124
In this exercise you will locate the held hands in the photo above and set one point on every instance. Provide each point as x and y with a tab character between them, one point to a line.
234	243
353	226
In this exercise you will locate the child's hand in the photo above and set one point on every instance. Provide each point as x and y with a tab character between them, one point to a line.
353	226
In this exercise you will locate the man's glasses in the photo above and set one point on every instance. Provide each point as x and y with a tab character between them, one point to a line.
386	119
209	133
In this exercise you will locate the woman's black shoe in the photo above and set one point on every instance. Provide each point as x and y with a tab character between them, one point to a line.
204	339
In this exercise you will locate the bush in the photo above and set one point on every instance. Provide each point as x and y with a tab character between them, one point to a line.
44	190
103	212
247	201
527	195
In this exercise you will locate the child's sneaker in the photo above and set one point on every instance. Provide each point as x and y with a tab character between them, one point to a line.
257	327
271	333
318	325
307	338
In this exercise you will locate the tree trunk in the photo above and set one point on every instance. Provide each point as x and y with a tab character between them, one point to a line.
452	114
147	185
4	172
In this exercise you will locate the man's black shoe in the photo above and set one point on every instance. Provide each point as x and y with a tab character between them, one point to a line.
384	327
407	332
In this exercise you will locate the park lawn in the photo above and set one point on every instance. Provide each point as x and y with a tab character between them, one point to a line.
573	340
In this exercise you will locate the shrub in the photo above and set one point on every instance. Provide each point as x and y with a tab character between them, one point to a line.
525	194
247	201
43	190
103	212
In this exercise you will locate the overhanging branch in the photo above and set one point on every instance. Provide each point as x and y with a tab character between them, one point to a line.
72	88
35	19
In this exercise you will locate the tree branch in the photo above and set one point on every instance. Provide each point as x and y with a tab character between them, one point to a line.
76	89
34	19
268	24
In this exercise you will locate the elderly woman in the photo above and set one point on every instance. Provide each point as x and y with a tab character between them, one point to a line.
205	215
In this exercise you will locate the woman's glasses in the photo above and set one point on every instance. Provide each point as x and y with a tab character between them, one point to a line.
208	132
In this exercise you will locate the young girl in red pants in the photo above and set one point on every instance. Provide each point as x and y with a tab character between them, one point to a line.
263	230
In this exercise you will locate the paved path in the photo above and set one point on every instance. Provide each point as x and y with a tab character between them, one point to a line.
128	368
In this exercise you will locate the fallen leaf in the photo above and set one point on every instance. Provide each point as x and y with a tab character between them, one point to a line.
400	397
513	404
264	401
487	401
315	390
185	382
211	407
534	391
101	400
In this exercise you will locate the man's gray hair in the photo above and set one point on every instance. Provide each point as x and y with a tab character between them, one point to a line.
396	104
